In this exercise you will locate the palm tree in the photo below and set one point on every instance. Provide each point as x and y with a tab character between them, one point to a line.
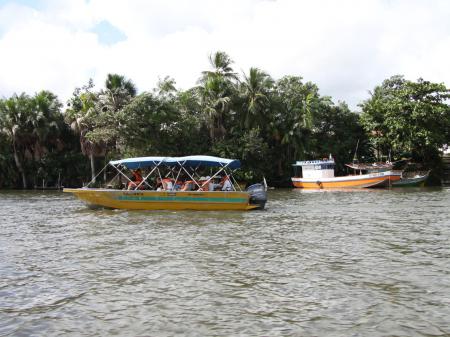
31	124
294	104
118	92
96	117
14	114
215	91
81	116
255	91
165	88
215	101
46	122
221	64
299	125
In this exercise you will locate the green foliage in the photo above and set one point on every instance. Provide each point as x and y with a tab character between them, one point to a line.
216	91
255	94
251	149
337	131
267	124
31	126
408	117
288	125
8	175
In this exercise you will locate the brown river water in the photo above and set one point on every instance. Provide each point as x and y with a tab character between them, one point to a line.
317	263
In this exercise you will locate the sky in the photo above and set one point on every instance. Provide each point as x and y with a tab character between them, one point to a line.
346	47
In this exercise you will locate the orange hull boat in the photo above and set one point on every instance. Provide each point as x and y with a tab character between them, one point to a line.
320	174
358	181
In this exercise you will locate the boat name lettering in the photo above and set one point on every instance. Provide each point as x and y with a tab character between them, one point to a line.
133	193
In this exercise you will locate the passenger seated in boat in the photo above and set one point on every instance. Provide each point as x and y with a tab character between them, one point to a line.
165	184
211	184
158	184
216	183
177	185
187	186
205	184
225	184
136	180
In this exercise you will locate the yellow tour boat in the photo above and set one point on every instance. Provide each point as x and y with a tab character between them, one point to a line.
320	174
173	183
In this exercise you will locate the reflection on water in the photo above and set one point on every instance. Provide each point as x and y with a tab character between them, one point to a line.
314	263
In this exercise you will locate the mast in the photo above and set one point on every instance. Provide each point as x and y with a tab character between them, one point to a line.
355	158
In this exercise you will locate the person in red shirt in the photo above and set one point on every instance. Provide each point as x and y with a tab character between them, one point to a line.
136	180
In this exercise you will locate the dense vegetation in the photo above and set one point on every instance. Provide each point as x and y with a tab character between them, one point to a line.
266	123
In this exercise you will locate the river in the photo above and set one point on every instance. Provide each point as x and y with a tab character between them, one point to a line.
317	263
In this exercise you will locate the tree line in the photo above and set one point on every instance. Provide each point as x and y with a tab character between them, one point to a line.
266	123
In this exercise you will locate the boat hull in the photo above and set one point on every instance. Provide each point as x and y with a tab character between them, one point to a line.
156	200
381	179
418	181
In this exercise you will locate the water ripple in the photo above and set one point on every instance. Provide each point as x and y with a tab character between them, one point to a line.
315	263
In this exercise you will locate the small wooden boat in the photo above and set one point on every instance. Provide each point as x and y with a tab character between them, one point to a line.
407	178
202	193
320	174
412	179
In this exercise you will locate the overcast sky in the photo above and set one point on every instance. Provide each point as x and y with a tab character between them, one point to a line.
345	47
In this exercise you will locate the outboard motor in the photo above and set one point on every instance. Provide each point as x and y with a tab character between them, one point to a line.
258	195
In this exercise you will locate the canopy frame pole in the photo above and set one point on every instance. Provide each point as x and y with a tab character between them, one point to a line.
193	179
223	168
176	179
159	174
235	181
93	179
123	174
160	177
171	173
194	170
146	177
230	176
112	179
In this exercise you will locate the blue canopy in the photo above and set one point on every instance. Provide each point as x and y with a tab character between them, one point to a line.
209	161
188	161
141	162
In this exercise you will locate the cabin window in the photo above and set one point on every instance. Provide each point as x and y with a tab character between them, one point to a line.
324	167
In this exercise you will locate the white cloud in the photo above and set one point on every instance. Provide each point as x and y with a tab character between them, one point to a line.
346	47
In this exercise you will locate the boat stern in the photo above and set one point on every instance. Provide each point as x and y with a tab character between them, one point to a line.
258	195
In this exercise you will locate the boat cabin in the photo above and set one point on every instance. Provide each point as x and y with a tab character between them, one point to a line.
315	169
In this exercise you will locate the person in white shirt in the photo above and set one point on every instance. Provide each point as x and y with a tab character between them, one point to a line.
226	184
